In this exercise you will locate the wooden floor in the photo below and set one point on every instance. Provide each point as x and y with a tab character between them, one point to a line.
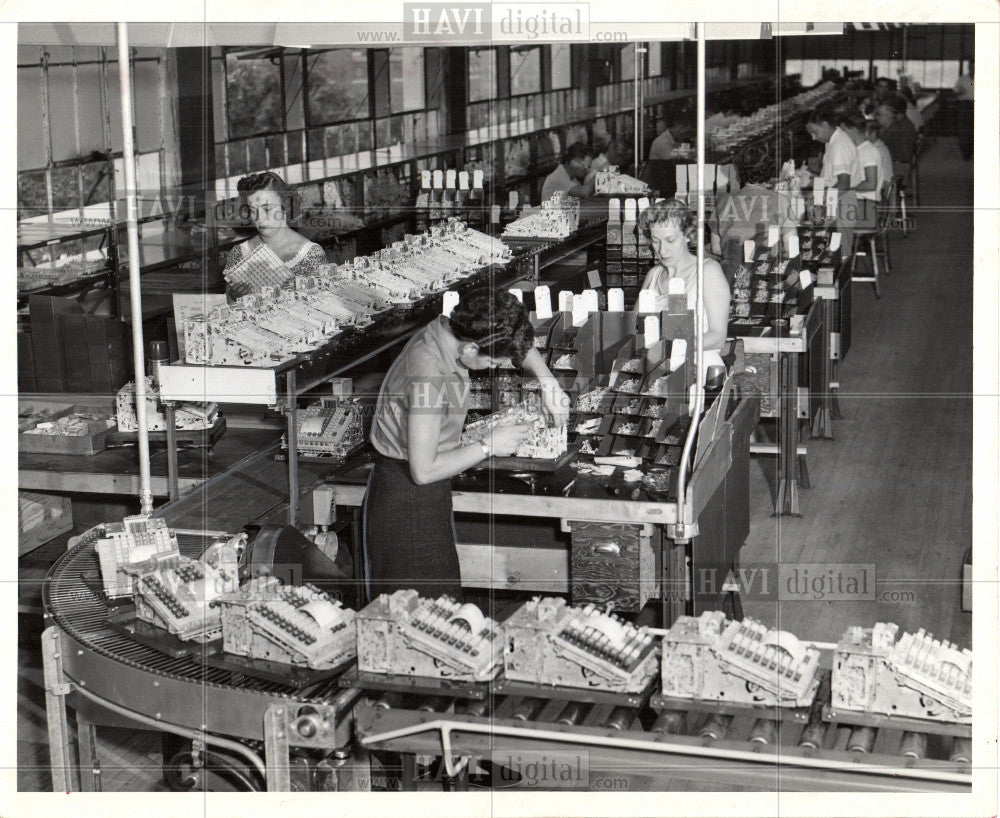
891	493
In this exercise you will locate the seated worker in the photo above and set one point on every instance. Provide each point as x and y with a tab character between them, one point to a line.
869	172
874	134
571	175
601	142
671	229
267	201
840	156
883	88
662	147
898	133
409	535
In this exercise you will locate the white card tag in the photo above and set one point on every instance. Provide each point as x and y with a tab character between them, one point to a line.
594	278
643	203
425	179
805	279
565	301
448	302
793	244
834	241
819	191
463	180
676	286
518	294
512	200
590	297
678	353
832	198
450	178
647	301
543	302
682	179
749	249
614	210
438	177
651	330
477	179
616	300
495	214
579	311
630	210
773	235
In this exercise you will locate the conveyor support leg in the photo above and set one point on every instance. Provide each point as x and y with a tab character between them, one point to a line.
56	689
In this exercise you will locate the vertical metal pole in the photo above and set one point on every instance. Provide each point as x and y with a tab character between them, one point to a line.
173	484
635	109
135	293
699	330
291	412
56	688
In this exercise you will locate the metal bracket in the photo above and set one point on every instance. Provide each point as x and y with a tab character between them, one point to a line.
294	724
682	532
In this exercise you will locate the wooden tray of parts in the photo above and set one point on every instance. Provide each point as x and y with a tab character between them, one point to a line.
91	443
530	464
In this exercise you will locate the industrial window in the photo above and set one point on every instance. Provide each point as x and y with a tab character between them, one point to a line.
654	57
482	74
253	94
525	71
628	62
338	85
406	79
561	66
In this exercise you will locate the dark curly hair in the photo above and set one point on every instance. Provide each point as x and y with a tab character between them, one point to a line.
669	210
496	322
269	181
578	150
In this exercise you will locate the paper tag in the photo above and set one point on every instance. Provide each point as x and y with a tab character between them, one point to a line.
834	242
678	353
773	235
749	250
495	214
709	176
832	198
676	286
616	300
512	200
448	302
565	301
590	296
799	205
594	278
643	203
425	179
682	179
692	392
518	294
450	178
651	330
792	242
477	179
438	177
543	302
580	312
805	278
630	210
646	302
614	210
463	180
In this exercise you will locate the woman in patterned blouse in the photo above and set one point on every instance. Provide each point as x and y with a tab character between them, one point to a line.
277	253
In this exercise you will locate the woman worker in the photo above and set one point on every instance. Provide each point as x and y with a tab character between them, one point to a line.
277	253
416	432
671	229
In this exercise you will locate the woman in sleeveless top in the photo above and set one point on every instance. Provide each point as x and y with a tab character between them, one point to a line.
670	227
277	253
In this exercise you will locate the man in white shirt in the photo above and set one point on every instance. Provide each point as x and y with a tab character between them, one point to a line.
872	132
840	156
571	175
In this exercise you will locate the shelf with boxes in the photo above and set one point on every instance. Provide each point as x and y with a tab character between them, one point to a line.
628	255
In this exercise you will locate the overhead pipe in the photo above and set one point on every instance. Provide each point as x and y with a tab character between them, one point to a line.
134	291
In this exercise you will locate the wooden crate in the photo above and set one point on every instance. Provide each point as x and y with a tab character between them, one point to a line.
612	564
56	518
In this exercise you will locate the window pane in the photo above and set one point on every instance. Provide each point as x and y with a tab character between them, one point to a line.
525	71
561	66
628	61
406	79
338	85
793	66
949	73
482	74
654	52
253	96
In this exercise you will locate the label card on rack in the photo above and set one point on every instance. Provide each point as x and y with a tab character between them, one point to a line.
630	210
819	191
512	200
647	302
614	210
565	301
832	198
773	235
682	179
749	250
651	330
799	205
438	177
495	214
425	179
594	278
805	279
792	243
448	302
616	300
643	203
477	179
835	239
518	294
463	180
579	311
678	353
543	302
450	178
676	286
590	298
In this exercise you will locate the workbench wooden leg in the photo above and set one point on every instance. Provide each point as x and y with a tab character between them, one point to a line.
787	500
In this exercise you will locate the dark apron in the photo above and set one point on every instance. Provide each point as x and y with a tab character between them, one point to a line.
409	534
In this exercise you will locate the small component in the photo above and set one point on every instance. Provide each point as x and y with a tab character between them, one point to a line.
567	361
555	219
406	634
548	642
628	385
187	416
611	181
590	402
917	676
710	658
544	442
633	366
134	546
184	598
291	624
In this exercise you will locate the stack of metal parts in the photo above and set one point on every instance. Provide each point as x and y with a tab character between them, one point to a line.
184	598
330	428
712	658
544	442
136	545
187	416
555	219
548	642
290	624
916	676
408	635
611	181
